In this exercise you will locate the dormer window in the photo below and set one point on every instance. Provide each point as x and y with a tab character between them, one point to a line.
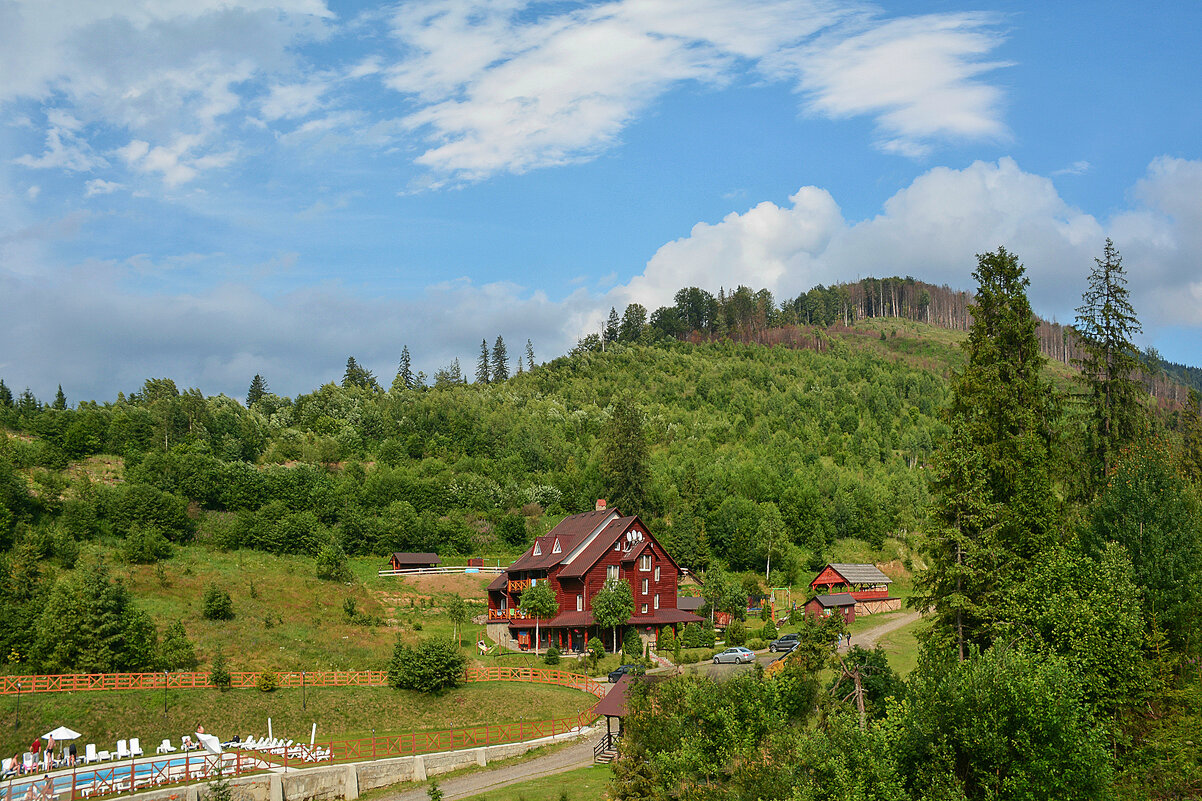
538	551
555	548
645	562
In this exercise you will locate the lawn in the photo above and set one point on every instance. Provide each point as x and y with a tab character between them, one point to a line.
582	784
901	647
339	712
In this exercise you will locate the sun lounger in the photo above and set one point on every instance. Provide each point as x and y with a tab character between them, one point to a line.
135	747
122	750
165	747
89	754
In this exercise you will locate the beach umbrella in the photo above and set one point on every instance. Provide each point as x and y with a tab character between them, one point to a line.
61	733
211	743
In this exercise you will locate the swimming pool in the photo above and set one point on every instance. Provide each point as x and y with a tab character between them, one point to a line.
88	780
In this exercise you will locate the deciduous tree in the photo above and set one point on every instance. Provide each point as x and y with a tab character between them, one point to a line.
538	601
612	606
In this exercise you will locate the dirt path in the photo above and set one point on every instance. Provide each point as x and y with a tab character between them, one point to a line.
868	638
577	755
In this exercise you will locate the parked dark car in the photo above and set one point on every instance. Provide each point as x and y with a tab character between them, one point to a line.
784	643
619	672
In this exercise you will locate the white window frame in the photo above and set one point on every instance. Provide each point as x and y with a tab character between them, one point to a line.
644	609
555	548
611	572
645	562
580	602
657	600
644	592
657	572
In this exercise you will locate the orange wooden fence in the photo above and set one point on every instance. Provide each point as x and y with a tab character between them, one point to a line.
83	682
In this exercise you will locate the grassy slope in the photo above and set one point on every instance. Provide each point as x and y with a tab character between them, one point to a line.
339	712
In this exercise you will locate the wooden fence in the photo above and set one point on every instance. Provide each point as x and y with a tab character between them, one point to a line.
90	781
84	682
438	571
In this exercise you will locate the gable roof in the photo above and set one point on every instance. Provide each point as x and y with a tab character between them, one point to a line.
689	603
860	574
838	599
570	532
597	548
407	558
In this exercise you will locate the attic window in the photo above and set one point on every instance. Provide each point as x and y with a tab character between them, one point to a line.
538	551
555	548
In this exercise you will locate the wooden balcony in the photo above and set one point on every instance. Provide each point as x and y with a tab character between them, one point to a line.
507	614
518	586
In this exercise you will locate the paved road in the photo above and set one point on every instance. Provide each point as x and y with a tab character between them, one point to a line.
869	637
577	755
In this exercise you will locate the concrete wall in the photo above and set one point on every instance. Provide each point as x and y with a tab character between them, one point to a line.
348	780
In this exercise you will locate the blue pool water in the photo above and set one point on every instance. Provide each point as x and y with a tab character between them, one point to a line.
85	775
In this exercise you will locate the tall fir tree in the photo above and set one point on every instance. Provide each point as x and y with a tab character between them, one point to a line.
611	326
1105	324
358	376
404	373
258	388
483	366
624	458
60	399
500	360
6	395
529	356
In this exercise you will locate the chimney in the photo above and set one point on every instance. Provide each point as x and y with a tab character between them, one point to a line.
600	504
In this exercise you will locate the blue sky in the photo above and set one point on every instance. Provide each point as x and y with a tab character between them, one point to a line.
206	190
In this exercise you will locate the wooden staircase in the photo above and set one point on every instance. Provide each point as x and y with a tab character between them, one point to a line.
606	750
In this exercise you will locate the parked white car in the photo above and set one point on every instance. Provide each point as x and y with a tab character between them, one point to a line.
737	655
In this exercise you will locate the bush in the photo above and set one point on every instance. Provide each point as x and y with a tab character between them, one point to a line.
632	645
768	632
268	682
217	604
331	563
667	642
176	650
756	644
552	656
736	633
432	666
220	674
145	545
596	652
690	637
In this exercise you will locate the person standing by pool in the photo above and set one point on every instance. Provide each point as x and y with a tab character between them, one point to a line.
50	752
36	749
72	755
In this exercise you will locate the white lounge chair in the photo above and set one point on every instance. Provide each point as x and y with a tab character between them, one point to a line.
249	742
165	747
135	747
89	754
122	750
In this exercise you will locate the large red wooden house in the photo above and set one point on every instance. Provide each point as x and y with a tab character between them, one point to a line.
576	558
865	583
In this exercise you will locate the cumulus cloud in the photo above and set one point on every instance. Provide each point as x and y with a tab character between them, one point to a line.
508	86
99	186
932	230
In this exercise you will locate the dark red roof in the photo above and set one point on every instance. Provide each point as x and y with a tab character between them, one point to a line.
597	548
613	705
415	558
634	552
499	583
568	532
662	617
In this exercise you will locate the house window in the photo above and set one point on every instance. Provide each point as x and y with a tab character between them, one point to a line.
555	548
644	586
657	573
645	562
657	600
538	551
644	609
618	545
611	572
580	603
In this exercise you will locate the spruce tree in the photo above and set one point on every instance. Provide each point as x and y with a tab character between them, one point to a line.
60	399
482	364
500	360
624	457
404	373
529	356
611	326
1105	324
6	395
258	388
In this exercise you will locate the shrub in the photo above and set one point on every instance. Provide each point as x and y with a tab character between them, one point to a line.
667	641
220	674
690	637
145	545
756	644
632	646
176	650
268	682
432	666
331	563
596	652
769	632
736	633
552	656
217	604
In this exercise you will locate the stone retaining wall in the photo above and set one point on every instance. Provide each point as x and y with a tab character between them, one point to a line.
347	781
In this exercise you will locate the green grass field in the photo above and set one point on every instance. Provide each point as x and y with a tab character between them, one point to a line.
582	784
901	647
340	713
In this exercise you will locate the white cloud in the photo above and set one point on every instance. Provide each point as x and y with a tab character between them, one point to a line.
33	191
510	86
932	230
65	149
175	162
99	186
1076	168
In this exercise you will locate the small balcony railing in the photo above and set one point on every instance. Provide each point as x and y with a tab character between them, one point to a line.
517	586
507	614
